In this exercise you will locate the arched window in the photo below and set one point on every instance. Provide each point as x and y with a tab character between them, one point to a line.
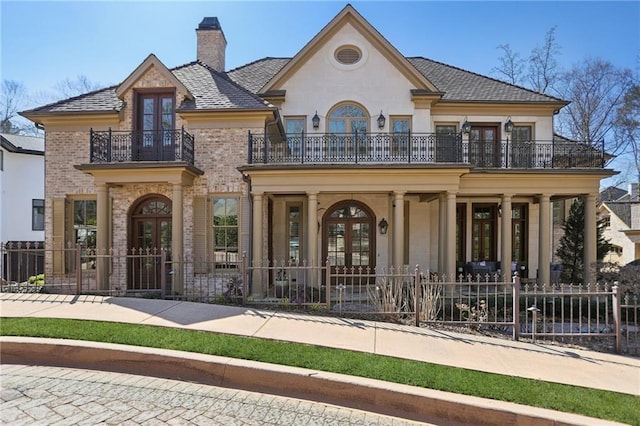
348	119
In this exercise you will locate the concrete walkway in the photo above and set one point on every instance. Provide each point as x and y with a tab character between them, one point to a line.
536	361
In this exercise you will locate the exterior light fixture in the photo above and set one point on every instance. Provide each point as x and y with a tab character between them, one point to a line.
466	127
508	126
381	120
384	226
315	121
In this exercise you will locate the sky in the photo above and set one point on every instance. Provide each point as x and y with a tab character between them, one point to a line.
42	43
45	42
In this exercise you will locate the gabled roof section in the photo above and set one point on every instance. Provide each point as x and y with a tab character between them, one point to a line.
612	193
151	61
22	144
349	15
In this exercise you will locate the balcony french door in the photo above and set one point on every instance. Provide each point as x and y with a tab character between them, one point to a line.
484	146
156	123
347	137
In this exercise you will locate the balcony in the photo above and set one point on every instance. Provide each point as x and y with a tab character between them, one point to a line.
425	148
107	147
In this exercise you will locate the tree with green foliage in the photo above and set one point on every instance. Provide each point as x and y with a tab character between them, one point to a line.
571	249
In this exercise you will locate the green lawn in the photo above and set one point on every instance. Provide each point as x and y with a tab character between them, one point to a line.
572	399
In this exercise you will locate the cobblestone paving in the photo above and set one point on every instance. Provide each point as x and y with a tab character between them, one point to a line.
31	395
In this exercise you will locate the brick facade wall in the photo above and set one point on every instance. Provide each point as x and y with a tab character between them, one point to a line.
218	152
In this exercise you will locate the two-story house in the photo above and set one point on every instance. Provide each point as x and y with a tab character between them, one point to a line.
21	203
349	152
619	212
21	188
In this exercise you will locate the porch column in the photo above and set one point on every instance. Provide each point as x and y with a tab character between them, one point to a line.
590	239
506	249
450	258
544	241
258	286
312	232
102	237
442	240
398	229
177	239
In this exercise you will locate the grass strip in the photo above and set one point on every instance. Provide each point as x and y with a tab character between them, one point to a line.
571	399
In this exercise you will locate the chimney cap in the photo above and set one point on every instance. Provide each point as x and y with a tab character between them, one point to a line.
209	23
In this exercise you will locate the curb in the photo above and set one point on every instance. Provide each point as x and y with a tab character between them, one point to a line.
408	402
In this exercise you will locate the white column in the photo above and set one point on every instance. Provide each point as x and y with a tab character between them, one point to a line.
177	238
398	229
450	262
506	249
312	237
102	237
544	241
442	240
590	239
258	286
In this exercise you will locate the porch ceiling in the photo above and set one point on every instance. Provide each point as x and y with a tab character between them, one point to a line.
148	172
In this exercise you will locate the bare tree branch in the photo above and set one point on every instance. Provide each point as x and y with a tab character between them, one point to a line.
596	89
543	65
511	65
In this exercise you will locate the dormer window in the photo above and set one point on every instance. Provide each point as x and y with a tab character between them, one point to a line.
348	55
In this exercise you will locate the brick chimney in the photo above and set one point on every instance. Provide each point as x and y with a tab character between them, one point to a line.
211	43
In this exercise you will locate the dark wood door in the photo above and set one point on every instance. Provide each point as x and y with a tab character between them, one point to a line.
150	234
349	239
484	146
156	136
483	237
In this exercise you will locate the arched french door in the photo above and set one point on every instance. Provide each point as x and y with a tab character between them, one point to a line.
150	233
347	125
349	236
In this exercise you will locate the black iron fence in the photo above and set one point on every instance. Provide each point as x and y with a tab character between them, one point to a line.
601	313
421	148
113	146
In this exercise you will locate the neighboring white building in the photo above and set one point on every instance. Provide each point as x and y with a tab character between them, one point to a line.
620	211
21	188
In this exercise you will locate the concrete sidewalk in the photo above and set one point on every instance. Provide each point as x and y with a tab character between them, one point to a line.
537	361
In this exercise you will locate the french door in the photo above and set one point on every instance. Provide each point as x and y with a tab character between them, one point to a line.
156	140
484	146
150	233
349	238
483	233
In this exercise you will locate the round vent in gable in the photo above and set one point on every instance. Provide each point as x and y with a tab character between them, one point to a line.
348	55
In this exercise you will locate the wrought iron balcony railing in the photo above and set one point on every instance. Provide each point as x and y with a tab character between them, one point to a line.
426	148
131	146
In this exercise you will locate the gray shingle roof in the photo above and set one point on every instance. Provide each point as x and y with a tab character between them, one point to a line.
22	144
255	75
622	210
460	85
238	88
211	90
98	101
611	193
